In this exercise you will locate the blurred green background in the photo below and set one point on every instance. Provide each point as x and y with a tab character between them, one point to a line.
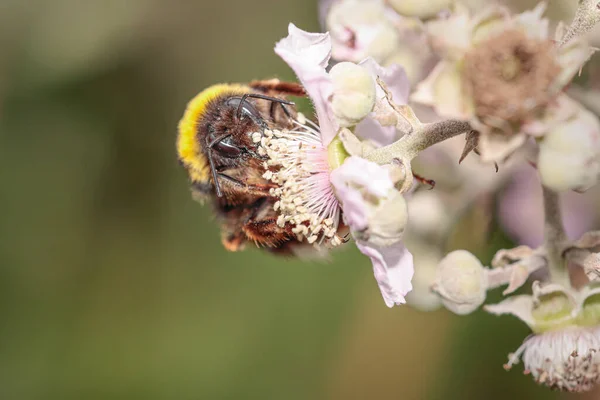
113	282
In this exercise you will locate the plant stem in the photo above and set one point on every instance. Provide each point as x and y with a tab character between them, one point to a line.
412	144
554	238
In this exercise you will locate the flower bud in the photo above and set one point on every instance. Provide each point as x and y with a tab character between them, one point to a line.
353	93
461	281
569	156
419	8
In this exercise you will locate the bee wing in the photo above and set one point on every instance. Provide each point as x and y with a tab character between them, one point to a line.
275	87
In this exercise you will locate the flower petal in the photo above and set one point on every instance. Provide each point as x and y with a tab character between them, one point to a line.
351	180
396	81
535	26
393	268
393	76
451	45
519	306
443	90
308	55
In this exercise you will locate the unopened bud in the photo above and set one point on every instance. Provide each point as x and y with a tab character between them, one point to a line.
569	156
461	281
419	8
353	93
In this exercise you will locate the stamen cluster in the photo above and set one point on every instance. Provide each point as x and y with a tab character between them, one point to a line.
297	163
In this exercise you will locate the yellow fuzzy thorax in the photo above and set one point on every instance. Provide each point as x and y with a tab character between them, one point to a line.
189	148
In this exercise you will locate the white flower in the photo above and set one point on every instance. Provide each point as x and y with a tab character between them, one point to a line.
371	28
565	352
498	98
567	359
361	29
321	189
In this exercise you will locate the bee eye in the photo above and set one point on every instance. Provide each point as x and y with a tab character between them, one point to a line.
247	108
226	149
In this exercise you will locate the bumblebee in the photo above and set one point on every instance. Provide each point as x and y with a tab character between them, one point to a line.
215	145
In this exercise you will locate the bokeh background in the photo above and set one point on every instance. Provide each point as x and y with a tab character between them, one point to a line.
113	282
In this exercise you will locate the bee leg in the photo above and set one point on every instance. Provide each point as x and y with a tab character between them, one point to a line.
232	236
277	87
233	241
266	232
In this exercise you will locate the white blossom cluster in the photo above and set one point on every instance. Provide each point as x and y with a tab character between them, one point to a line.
503	80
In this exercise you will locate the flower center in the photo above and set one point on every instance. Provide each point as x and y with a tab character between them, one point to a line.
510	77
299	164
568	359
510	68
336	153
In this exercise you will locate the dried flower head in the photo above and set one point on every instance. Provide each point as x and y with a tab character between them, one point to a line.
565	351
567	359
498	71
509	77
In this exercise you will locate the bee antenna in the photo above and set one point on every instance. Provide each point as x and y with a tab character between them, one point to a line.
239	108
213	170
282	102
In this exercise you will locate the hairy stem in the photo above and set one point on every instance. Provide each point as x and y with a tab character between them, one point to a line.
554	237
586	17
412	144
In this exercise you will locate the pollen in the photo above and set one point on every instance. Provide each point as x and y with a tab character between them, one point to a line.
297	162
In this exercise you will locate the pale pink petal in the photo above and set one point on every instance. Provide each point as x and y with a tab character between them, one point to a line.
397	83
443	90
394	78
352	180
393	268
519	306
370	129
308	55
